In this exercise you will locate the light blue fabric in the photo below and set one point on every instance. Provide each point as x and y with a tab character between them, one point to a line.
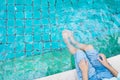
81	55
96	70
114	78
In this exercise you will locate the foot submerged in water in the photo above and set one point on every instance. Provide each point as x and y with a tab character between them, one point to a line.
67	34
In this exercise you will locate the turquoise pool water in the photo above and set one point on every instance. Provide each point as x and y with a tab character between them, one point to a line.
31	44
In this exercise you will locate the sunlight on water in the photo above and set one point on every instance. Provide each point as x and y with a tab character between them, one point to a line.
31	44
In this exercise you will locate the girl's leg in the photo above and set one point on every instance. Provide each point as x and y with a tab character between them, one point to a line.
76	43
71	48
102	72
92	55
78	55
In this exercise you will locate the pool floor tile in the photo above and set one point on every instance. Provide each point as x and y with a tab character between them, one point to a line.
31	43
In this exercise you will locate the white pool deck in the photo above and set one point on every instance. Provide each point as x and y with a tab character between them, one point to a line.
72	75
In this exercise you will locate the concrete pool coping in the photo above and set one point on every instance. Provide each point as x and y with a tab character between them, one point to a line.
72	75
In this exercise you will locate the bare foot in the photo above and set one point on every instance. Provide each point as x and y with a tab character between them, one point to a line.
70	36
65	35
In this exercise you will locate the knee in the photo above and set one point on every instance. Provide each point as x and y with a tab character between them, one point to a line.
89	47
73	51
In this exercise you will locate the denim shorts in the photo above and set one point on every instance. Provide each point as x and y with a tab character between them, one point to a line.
96	70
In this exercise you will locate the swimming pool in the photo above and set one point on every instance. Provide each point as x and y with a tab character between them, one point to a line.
31	44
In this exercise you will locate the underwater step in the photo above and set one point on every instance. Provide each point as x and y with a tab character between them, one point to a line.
118	40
